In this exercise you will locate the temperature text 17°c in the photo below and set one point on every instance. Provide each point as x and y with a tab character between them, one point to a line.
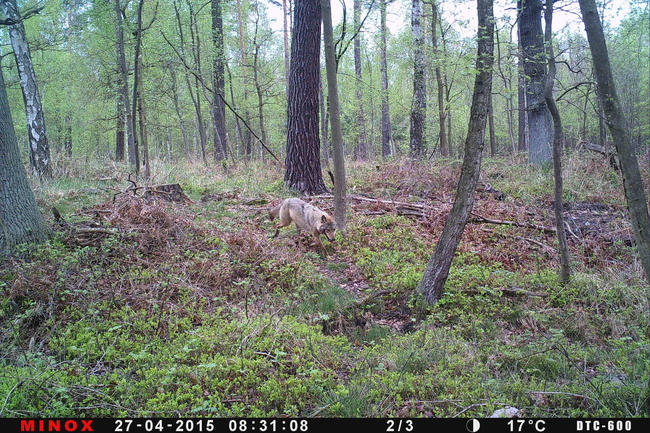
518	425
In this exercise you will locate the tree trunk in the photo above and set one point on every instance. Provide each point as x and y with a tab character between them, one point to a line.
540	123
136	80
142	120
218	83
67	142
243	67
360	151
632	182
119	129
195	93
286	44
258	84
123	81
493	141
179	111
324	118
335	118
20	219
39	150
558	139
437	269
385	113
419	102
444	147
507	86
302	166
521	92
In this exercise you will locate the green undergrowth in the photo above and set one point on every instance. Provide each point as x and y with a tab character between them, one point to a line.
212	317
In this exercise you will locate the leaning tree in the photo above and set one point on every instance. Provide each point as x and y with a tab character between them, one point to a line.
632	182
437	269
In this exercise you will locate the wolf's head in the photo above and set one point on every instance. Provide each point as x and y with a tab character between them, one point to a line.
327	227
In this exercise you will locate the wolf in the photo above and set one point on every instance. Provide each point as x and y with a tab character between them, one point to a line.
307	218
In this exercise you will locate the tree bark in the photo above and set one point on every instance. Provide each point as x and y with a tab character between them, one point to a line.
385	112
634	193
419	102
558	139
302	166
340	207
444	147
218	83
437	269
20	219
361	151
39	149
540	123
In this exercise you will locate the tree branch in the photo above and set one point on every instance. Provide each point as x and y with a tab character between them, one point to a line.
200	79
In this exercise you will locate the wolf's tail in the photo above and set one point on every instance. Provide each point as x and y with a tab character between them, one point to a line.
274	212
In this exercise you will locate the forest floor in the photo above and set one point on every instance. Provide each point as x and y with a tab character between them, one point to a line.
141	307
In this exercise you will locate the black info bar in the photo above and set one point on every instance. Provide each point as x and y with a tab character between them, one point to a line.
303	425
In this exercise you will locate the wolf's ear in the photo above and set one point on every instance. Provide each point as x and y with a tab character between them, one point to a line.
323	218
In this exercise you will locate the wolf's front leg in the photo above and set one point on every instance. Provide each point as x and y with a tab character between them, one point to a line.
320	245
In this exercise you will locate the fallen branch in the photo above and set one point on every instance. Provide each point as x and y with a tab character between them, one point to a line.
402	204
532	241
509	290
480	219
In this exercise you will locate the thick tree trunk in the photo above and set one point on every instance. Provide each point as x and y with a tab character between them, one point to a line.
335	119
444	146
20	219
437	269
540	123
385	112
360	151
633	184
302	166
218	83
39	150
558	139
419	102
